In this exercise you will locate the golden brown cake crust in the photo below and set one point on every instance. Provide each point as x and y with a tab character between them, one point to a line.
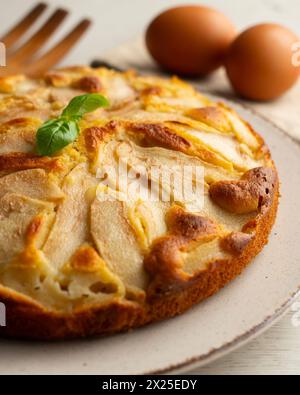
251	191
29	320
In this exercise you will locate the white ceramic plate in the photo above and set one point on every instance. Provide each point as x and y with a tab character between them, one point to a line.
238	313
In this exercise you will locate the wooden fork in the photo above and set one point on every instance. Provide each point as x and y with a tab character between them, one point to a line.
23	58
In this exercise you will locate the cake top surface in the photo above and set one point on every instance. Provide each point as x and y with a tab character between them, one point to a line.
76	231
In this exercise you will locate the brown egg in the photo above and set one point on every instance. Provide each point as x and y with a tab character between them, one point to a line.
259	62
190	40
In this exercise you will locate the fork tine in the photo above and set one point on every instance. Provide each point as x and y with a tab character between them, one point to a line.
20	28
55	54
23	54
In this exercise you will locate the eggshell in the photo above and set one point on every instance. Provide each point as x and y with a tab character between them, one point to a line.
190	40
259	62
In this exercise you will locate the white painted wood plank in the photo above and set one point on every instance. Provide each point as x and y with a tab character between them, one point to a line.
277	351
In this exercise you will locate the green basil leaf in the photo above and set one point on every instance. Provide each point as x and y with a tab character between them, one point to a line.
55	134
83	104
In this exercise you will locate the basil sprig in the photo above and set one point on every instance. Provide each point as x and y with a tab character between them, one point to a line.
57	133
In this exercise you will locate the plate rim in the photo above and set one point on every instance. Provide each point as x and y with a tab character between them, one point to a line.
200	359
227	348
267	322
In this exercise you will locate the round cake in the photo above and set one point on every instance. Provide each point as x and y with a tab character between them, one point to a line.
161	200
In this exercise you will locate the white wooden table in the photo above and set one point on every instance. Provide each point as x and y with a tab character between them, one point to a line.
117	21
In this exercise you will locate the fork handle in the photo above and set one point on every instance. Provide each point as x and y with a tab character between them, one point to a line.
102	63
